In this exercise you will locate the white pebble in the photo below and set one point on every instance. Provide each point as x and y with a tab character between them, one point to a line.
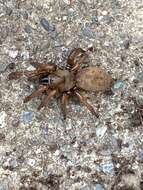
13	53
57	152
104	13
100	131
2	119
66	1
31	162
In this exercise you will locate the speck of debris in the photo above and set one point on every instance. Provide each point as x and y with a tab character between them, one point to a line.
99	187
140	77
118	85
108	168
2	119
28	29
26	117
2	137
45	24
13	53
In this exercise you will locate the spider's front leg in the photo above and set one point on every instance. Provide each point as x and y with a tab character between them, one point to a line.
76	58
45	101
38	92
18	74
40	71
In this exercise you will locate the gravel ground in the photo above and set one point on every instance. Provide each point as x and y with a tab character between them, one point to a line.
40	151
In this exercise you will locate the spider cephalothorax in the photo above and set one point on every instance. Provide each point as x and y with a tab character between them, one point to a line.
62	83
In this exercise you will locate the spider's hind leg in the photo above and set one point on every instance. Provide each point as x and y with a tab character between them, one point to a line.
84	101
63	104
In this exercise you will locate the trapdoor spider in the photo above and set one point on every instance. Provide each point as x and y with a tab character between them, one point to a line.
65	83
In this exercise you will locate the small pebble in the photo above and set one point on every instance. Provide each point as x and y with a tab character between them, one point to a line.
56	153
140	77
99	187
67	2
64	18
4	185
3	67
94	19
30	68
25	55
87	32
141	154
54	35
11	66
13	53
10	164
100	131
8	11
118	85
28	29
108	168
65	52
26	117
2	137
105	19
31	162
45	24
25	15
126	44
57	43
71	12
104	12
52	28
2	119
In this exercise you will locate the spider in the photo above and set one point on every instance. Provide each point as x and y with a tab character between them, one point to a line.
65	83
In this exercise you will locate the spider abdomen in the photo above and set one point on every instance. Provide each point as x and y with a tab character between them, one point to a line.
93	79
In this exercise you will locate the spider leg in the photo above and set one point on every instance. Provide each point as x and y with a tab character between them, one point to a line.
84	101
47	98
36	93
40	71
29	74
64	102
73	55
19	74
77	66
76	58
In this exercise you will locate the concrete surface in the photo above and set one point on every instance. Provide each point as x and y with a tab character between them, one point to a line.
40	151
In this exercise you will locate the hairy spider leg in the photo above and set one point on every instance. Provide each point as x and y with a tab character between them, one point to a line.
77	66
73	55
84	101
64	102
38	92
45	101
41	71
18	74
76	58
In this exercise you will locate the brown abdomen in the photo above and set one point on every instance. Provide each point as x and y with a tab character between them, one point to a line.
94	79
